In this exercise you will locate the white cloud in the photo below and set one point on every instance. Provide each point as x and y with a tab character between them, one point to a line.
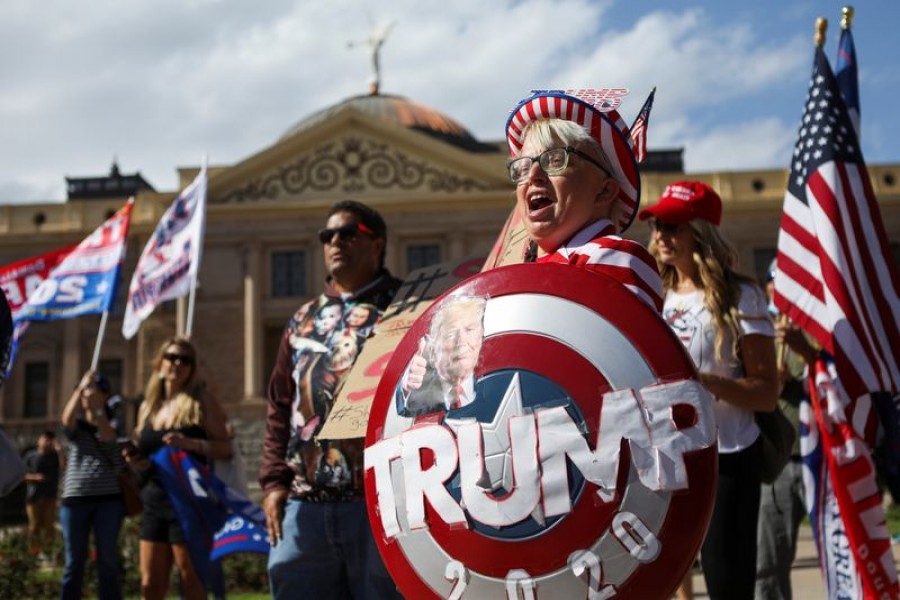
757	144
161	83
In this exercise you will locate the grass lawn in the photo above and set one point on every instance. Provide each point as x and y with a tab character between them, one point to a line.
892	515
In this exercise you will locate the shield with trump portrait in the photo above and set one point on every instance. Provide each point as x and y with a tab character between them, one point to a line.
540	432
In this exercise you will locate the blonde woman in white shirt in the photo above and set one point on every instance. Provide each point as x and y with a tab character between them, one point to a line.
721	318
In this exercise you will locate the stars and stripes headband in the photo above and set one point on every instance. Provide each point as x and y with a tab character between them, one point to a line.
595	111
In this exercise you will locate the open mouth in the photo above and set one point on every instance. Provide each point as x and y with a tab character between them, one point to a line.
537	203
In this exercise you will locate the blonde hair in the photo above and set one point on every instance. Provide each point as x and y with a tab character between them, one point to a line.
187	405
549	132
715	260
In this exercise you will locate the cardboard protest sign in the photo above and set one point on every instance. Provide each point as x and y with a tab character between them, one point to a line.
509	249
350	414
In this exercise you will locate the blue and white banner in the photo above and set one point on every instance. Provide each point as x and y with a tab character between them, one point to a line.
214	518
240	534
169	263
84	282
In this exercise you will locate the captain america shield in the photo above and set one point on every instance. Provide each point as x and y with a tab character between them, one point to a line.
540	432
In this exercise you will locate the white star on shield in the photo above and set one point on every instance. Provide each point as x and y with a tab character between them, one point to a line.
497	452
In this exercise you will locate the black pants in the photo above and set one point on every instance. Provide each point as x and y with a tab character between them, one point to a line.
728	555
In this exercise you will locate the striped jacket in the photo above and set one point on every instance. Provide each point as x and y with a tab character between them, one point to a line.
598	249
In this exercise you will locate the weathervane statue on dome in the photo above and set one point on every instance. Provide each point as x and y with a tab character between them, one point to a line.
375	41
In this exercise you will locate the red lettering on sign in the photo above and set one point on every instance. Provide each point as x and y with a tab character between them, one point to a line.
468	268
376	369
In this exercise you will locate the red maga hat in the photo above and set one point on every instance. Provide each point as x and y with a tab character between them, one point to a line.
684	201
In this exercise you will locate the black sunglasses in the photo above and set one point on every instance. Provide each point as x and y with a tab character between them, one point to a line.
344	232
185	359
665	228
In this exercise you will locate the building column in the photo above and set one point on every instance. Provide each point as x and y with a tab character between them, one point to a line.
253	330
316	269
393	259
457	246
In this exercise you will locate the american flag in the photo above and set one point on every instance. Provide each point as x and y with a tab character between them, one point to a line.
835	277
639	129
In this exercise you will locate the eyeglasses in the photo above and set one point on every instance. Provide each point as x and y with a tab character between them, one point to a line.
552	162
344	232
185	359
666	228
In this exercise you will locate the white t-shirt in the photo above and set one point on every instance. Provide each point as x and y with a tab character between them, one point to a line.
691	321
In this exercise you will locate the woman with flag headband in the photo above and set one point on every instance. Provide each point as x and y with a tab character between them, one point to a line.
578	185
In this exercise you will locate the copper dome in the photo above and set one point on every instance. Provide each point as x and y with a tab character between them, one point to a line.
399	111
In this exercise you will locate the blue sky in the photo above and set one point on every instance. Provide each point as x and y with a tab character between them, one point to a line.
161	83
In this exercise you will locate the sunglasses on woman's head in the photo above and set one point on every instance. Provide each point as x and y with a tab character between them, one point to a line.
185	359
344	232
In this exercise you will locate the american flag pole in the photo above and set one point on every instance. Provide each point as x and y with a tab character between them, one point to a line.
192	295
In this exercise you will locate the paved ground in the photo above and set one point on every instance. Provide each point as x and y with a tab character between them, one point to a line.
806	577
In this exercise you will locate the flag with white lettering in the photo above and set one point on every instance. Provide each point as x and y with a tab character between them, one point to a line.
169	263
18	280
84	282
240	534
844	500
206	508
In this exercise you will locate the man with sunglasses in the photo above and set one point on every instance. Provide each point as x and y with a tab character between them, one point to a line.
578	188
322	544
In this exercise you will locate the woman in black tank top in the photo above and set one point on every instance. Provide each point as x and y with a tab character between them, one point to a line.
178	412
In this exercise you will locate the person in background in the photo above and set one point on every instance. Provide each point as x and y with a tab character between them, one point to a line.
91	497
177	411
42	487
322	543
721	317
782	505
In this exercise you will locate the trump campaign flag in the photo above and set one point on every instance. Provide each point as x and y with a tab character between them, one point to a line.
18	280
836	281
167	268
84	282
216	519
